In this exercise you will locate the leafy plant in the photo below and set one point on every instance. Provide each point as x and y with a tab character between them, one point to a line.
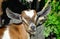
52	24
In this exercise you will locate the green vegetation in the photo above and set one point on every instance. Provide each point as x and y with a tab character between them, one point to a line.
52	24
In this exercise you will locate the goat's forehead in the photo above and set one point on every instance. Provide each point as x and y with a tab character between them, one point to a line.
29	13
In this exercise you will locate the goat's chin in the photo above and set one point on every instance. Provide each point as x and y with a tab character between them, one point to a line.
32	33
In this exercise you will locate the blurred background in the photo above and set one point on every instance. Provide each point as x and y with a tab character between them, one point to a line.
52	24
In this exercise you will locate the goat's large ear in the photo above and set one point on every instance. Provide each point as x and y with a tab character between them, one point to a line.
44	12
14	16
41	15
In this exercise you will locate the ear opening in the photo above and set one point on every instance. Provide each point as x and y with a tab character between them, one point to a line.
40	20
45	11
12	15
16	18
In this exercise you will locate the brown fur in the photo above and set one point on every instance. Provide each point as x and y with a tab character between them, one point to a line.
1	12
1	32
18	32
28	18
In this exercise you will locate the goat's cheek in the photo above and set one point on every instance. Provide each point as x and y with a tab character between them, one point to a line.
26	27
29	28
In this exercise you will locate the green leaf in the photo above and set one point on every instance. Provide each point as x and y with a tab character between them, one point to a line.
58	37
58	7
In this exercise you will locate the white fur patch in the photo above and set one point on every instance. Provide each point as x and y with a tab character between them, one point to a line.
41	18
6	34
28	36
29	0
39	0
35	18
30	13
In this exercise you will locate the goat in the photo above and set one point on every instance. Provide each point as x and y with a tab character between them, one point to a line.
23	25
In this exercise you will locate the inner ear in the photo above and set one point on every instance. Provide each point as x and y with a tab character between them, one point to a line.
41	20
46	11
12	15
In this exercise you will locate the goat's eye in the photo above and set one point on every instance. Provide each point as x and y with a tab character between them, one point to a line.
41	20
26	18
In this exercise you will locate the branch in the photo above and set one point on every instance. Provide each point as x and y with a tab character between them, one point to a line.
46	5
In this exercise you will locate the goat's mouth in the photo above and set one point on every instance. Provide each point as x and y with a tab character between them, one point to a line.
32	32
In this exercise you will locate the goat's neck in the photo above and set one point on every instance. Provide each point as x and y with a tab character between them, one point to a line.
18	32
1	32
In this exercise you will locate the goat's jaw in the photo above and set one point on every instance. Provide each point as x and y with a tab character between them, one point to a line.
31	32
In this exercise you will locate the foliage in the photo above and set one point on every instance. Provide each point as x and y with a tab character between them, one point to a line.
52	24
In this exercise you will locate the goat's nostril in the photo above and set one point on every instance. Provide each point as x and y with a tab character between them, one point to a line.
33	27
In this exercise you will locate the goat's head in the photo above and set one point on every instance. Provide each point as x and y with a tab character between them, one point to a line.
30	18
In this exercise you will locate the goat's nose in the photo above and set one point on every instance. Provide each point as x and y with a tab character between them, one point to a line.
33	28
